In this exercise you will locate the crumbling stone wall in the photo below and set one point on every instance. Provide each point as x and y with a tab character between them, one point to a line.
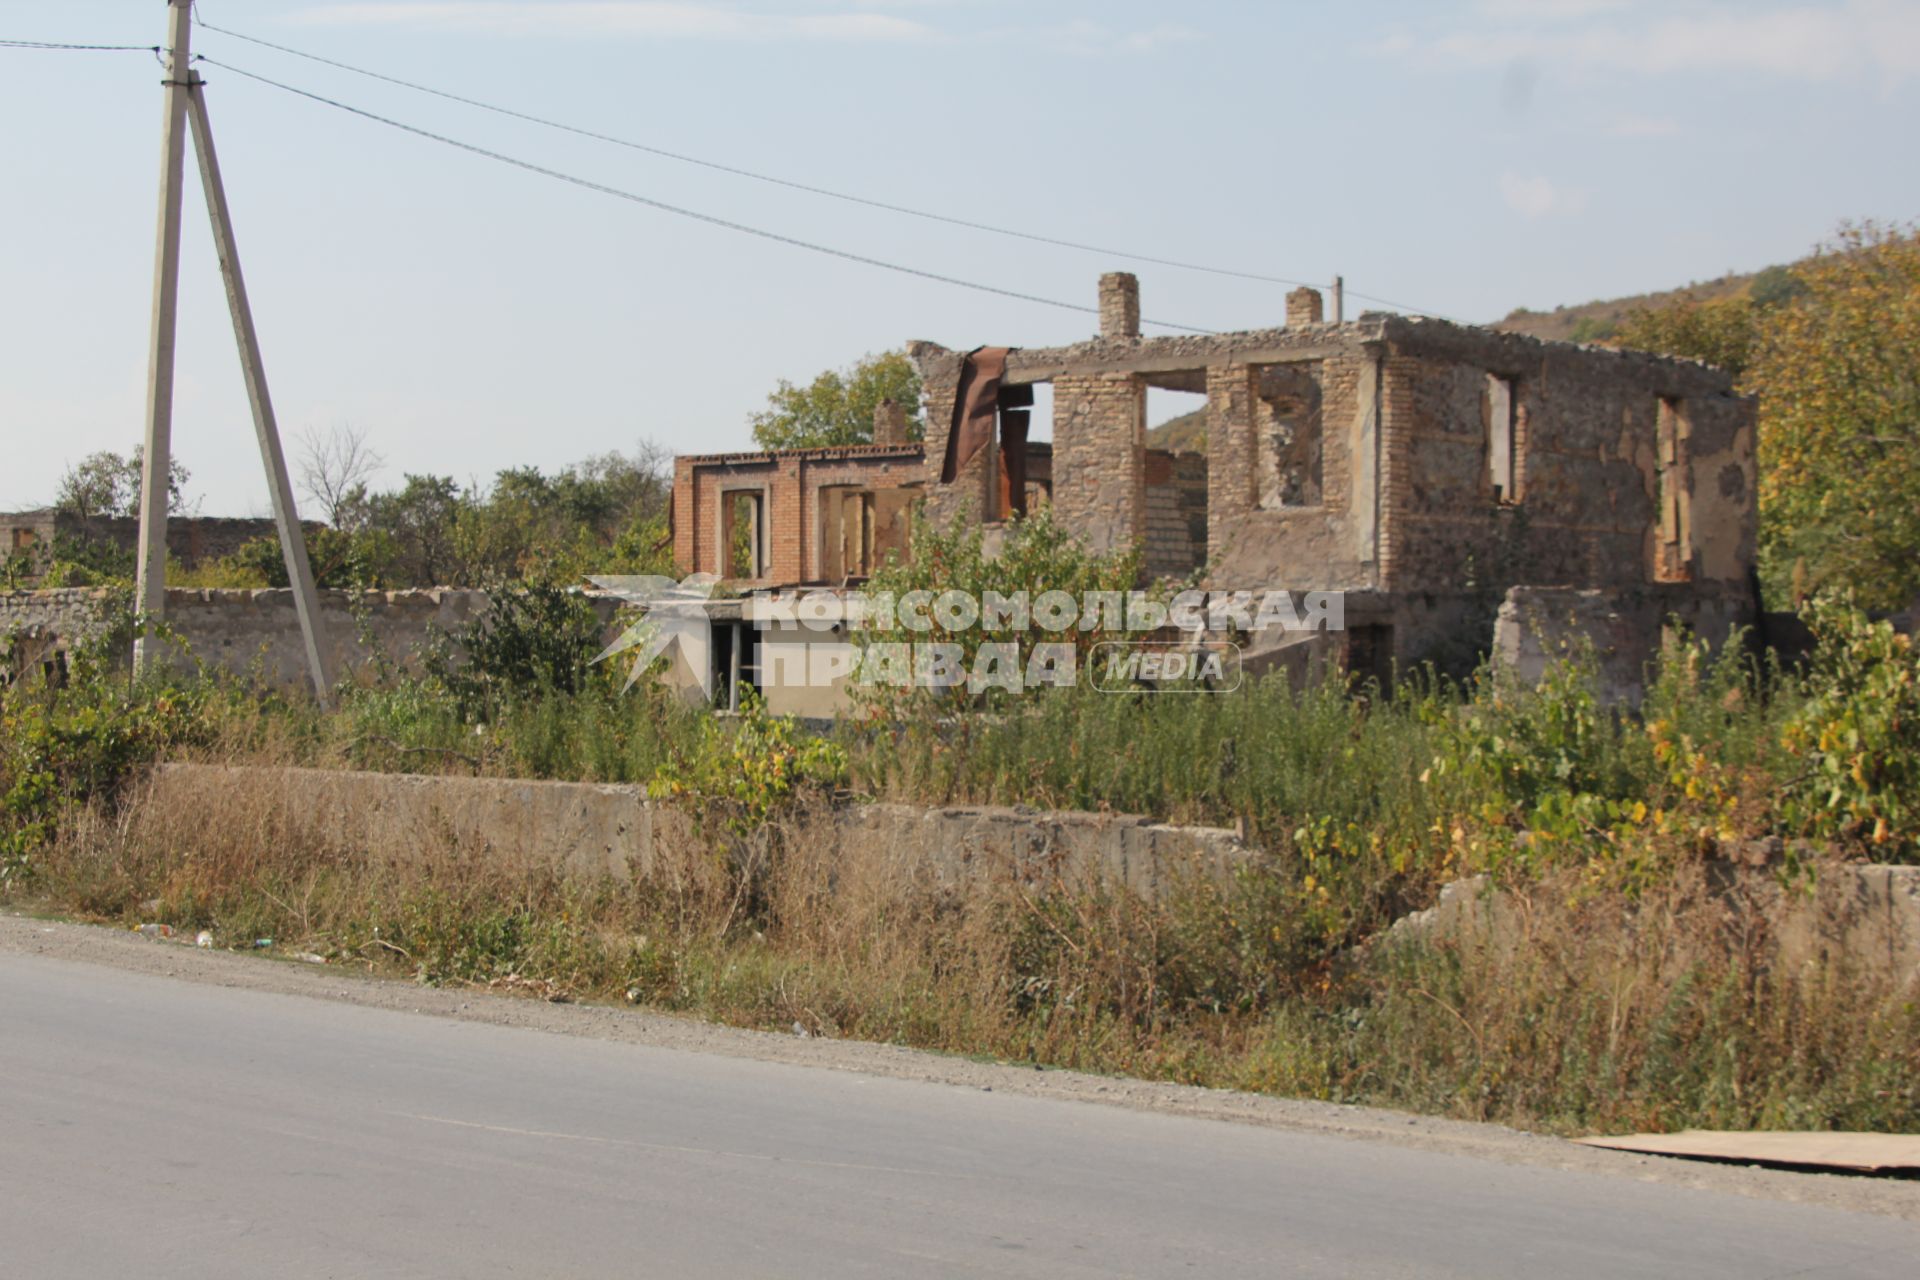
969	496
1585	508
1301	536
257	633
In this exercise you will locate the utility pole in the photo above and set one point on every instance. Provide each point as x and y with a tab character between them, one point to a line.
293	541
187	112
1339	299
150	591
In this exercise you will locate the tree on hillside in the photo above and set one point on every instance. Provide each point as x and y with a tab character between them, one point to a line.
1720	332
837	407
1837	369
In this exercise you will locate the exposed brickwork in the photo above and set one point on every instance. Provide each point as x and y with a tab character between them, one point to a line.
1099	457
1231	491
1176	531
788	487
890	423
1587	440
1119	305
1304	306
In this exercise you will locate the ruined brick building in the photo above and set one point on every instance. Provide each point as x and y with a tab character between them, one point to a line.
1425	468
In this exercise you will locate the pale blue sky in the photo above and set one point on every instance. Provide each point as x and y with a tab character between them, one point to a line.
1461	157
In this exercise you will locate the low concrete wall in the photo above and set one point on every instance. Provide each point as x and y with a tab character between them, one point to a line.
1864	915
592	830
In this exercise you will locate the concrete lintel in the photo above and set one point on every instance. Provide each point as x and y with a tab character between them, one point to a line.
1045	366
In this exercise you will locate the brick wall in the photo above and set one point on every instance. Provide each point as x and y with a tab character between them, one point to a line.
788	485
1099	457
191	540
1176	517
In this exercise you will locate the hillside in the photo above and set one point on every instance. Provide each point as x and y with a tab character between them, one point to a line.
1184	434
1588	322
1596	321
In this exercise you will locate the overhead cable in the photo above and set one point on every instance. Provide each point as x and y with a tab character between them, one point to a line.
680	211
79	48
792	184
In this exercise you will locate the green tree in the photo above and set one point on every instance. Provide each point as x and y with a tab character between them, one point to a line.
416	526
837	407
1774	286
1721	333
105	484
1837	369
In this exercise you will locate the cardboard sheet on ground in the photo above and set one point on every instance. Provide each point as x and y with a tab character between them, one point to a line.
1861	1152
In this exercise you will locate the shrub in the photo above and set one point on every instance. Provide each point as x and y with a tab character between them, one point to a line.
746	769
1856	738
534	638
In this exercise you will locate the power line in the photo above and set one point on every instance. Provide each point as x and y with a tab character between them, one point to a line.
789	183
662	205
49	44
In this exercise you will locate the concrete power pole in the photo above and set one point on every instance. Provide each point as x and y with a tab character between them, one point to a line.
150	591
1339	299
293	539
187	109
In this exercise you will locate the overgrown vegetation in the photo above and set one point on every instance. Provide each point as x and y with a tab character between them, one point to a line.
1621	988
607	514
1624	994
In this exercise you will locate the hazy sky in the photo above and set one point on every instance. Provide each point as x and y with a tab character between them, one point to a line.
1464	158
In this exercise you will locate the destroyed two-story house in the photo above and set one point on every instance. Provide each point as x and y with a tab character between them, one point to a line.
1430	471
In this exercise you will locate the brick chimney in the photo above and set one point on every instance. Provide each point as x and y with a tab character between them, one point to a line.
1304	307
1119	305
889	422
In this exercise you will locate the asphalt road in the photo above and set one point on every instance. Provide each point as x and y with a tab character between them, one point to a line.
154	1127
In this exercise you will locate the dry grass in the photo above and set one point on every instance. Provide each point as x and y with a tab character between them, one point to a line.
1580	1008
